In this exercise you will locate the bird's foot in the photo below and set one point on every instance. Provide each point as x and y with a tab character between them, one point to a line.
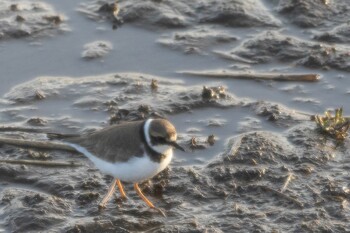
159	210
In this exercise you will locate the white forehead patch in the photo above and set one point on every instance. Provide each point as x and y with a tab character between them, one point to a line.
173	137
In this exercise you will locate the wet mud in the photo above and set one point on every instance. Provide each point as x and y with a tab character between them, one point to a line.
313	13
242	183
267	47
339	34
253	162
196	41
20	19
96	49
272	47
181	14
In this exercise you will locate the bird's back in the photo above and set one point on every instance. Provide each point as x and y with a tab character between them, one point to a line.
116	143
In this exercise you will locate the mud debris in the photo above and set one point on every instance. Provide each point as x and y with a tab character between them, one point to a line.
38	155
198	40
29	19
36	121
211	139
272	46
194	144
182	13
211	93
124	96
96	49
39	95
339	34
311	13
154	84
277	114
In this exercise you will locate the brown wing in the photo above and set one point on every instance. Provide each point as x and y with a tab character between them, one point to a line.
116	143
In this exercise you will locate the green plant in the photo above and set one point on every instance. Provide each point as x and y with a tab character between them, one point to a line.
336	126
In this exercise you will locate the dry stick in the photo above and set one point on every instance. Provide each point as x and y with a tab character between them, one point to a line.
37	144
314	192
305	114
262	76
278	193
235	147
312	117
316	195
42	163
21	129
289	178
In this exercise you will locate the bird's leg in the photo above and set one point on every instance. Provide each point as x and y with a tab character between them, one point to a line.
148	202
121	189
108	195
139	192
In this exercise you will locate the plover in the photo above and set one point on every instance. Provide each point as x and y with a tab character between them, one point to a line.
130	152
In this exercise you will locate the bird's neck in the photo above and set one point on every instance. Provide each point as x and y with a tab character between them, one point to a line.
161	149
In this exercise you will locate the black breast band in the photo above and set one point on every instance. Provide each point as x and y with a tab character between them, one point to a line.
154	155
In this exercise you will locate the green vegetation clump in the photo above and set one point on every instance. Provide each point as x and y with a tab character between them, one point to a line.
335	126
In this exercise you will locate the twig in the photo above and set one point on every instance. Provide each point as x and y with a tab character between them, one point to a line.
289	178
36	144
278	193
314	192
262	76
234	148
20	129
42	163
312	116
316	195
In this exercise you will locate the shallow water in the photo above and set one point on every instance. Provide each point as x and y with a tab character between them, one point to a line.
136	50
198	197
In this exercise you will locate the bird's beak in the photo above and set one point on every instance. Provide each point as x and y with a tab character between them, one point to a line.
177	146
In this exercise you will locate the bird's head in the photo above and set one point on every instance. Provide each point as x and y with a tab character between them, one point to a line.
163	135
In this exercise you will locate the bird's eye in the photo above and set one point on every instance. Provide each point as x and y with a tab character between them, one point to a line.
158	140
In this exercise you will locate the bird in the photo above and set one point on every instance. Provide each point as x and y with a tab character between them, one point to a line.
130	152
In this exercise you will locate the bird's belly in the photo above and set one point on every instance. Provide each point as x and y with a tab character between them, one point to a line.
134	170
139	168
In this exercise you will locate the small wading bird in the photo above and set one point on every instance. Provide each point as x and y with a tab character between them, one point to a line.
131	152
